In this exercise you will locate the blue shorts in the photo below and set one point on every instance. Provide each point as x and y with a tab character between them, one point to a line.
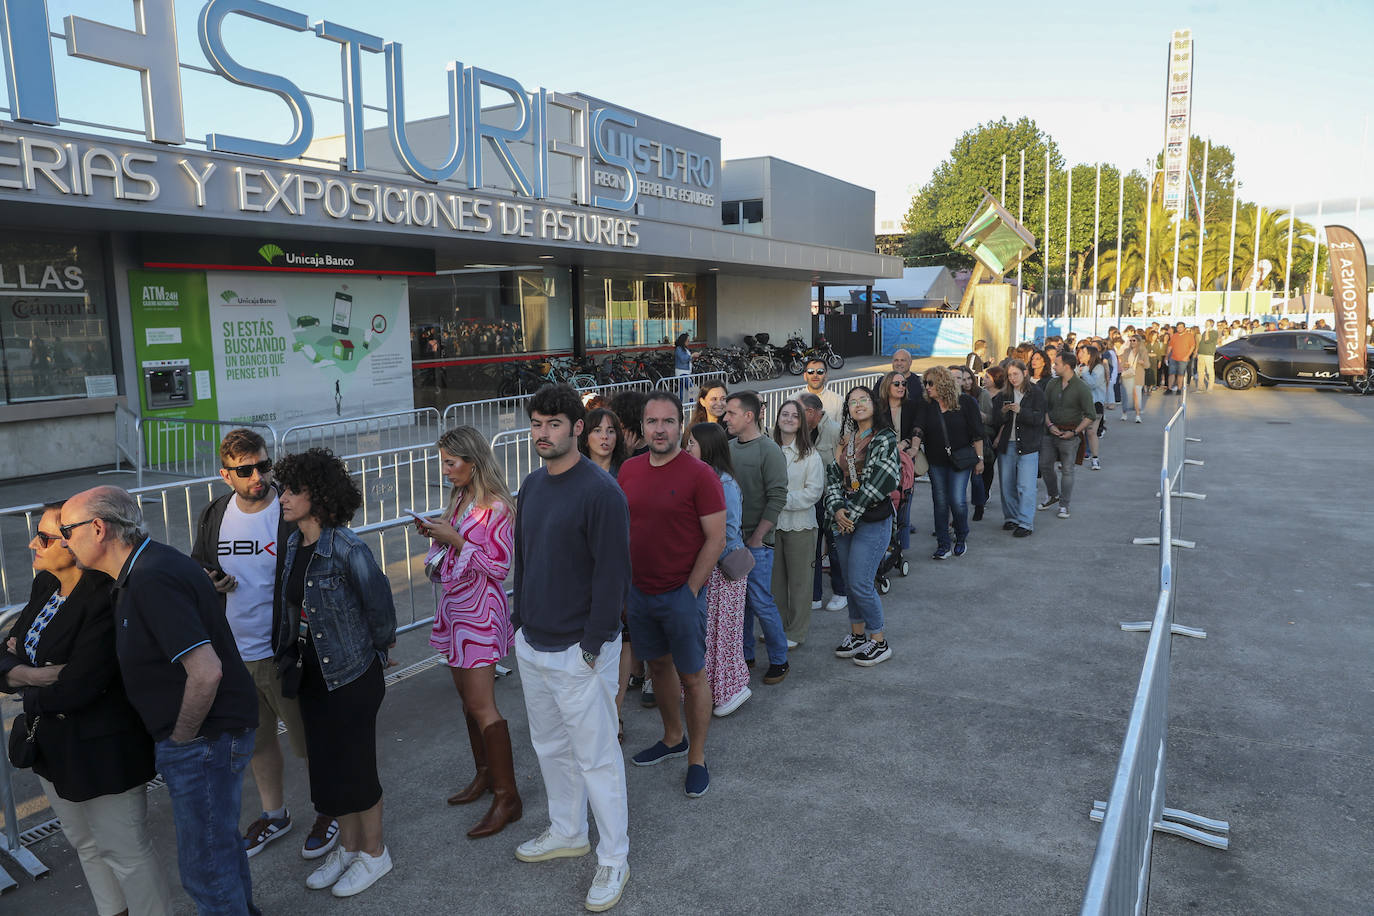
1178	367
672	623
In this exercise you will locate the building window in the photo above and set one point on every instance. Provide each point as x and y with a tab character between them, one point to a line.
54	319
624	309
743	215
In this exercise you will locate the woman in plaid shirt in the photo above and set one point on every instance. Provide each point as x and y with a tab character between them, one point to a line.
858	506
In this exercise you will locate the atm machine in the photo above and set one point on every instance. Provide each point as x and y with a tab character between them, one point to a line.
167	384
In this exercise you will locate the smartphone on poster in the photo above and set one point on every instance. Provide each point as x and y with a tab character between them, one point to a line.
343	313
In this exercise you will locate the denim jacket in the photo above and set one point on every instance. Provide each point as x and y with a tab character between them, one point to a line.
348	603
734	510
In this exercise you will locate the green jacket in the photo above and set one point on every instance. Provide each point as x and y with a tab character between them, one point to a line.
1069	405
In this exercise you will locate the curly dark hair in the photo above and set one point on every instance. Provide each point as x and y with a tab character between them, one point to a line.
317	473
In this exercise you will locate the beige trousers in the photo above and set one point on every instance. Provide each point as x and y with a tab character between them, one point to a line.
794	552
110	835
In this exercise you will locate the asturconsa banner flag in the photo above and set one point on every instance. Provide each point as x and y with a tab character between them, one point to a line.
1350	291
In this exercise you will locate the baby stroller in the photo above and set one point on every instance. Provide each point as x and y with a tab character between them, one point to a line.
892	557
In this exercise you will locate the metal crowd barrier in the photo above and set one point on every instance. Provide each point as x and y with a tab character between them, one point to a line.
515	455
11	843
1119	878
355	435
128	441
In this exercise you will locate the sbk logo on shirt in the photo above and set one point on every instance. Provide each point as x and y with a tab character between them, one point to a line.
246	548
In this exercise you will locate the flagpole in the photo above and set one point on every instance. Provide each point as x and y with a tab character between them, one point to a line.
1288	258
1231	253
1068	234
1097	219
1021	218
1316	256
1120	214
1201	223
1149	208
1364	143
1046	249
1254	265
1173	291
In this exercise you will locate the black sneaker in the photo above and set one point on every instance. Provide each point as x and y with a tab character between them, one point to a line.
636	682
942	553
775	673
263	831
1022	533
873	654
1008	526
977	513
852	644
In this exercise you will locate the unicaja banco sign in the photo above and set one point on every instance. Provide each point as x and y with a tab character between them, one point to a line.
610	160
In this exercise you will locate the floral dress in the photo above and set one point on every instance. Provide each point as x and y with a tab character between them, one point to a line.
472	622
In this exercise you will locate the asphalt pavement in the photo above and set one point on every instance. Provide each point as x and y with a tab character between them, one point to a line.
958	777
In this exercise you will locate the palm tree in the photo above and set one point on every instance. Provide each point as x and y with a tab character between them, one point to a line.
1161	254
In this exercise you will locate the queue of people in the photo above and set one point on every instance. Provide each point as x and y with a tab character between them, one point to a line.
639	555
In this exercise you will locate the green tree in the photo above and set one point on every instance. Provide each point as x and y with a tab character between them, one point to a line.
943	206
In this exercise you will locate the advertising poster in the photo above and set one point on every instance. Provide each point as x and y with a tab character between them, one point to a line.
291	349
278	349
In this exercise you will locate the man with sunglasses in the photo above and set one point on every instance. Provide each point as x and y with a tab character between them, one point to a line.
815	374
237	544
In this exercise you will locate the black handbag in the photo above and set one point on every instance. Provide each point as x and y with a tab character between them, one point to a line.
878	511
963	457
23	741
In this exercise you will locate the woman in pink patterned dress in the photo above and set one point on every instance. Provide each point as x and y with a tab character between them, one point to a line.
725	669
470	558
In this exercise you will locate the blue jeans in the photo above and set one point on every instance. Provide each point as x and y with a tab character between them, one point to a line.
826	542
949	493
859	554
205	781
1016	475
758	601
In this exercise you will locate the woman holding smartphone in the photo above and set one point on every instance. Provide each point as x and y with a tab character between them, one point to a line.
469	559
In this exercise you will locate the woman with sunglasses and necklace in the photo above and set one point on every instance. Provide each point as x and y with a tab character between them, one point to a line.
950	423
91	751
859	507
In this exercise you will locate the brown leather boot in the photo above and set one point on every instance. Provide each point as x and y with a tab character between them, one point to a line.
482	781
506	806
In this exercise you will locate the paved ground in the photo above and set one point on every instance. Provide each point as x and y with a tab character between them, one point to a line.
957	778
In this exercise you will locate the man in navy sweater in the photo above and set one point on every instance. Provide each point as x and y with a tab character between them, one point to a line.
571	575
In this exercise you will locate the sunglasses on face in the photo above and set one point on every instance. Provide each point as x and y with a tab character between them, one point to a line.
246	470
899	384
68	529
46	540
815	372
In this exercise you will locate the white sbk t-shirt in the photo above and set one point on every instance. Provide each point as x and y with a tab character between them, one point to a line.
247	550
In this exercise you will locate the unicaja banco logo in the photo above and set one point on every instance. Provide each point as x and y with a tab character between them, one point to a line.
270	252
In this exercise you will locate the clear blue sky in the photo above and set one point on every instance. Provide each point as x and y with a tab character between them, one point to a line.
871	91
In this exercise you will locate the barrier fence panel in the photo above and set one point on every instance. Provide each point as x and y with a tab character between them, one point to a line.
10	842
1119	878
188	448
355	435
400	553
394	480
128	441
515	455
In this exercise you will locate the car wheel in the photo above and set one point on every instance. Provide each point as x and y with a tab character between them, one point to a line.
1240	376
1361	384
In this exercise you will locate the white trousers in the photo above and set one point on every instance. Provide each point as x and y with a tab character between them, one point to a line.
110	835
571	710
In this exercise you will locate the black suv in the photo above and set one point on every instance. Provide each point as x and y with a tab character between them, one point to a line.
1287	357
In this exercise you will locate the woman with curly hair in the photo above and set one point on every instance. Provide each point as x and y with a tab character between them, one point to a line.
469	558
950	424
859	507
603	440
338	623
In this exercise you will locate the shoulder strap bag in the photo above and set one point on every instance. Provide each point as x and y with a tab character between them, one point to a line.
963	457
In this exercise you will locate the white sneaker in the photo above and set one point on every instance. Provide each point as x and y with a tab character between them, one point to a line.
547	846
1137	418
837	603
362	874
1096	465
1063	511
735	702
607	887
1123	416
817	604
331	870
